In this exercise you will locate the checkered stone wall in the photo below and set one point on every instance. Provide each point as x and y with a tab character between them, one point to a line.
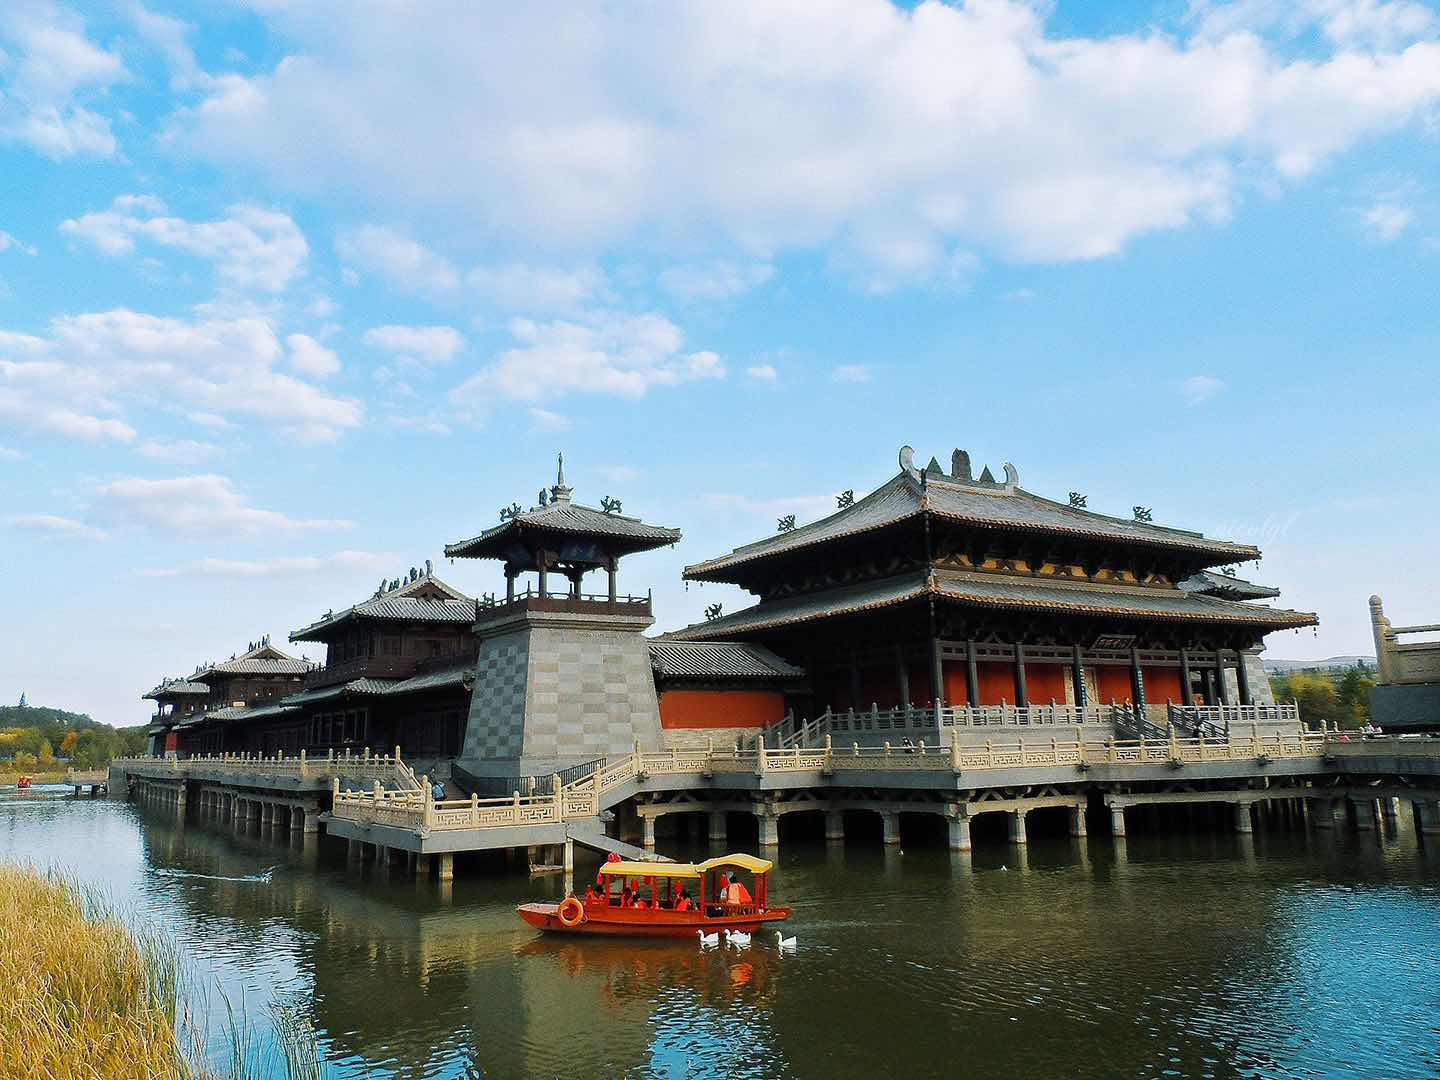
560	694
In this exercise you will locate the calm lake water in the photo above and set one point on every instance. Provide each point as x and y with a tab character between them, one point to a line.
1185	951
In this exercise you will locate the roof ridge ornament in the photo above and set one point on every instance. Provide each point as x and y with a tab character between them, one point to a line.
961	471
560	493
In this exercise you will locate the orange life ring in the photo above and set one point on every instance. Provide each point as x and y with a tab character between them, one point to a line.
571	912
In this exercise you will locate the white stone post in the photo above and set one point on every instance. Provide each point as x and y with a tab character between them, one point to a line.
648	824
1243	823
1017	827
890	822
834	824
958	826
1077	820
1117	820
769	828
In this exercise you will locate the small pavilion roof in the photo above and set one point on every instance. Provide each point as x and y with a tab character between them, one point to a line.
262	658
983	502
718	660
424	598
1226	587
177	688
995	591
559	517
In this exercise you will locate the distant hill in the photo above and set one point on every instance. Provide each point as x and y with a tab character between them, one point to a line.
1330	663
40	716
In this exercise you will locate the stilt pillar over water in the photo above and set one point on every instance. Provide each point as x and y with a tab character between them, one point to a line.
890	823
1077	821
447	867
1427	819
1117	821
769	828
1364	814
567	856
957	822
1017	827
1243	824
719	827
1324	813
648	823
834	824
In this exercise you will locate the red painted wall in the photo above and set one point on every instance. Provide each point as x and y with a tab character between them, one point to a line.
172	741
956	692
1045	682
997	680
1113	684
1162	684
721	708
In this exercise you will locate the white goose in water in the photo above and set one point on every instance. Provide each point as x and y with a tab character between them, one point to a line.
735	937
708	941
785	944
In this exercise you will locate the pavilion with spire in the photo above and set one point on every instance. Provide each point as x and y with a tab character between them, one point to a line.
561	677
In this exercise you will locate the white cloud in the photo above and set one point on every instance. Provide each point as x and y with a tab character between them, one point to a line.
521	287
1386	219
1199	389
276	566
851	373
178	451
545	420
619	474
7	242
764	373
719	280
49	71
51	525
309	357
625	355
1374	24
905	134
251	248
170	38
417	344
203	504
398	258
9	453
79	380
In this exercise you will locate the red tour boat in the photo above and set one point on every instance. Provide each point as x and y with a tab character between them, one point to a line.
661	899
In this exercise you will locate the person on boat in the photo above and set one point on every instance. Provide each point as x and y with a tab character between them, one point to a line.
626	898
591	896
684	903
739	894
724	888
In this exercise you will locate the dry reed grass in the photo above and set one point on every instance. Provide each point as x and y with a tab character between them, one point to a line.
80	997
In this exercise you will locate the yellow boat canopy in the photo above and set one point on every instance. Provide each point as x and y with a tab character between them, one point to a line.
686	870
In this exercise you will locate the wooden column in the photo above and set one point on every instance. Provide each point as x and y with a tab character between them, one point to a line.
1137	680
610	575
1243	677
937	673
1022	696
1221	697
972	675
902	674
510	584
540	566
1077	676
1187	695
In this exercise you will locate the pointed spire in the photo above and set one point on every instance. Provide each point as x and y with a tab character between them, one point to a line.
560	492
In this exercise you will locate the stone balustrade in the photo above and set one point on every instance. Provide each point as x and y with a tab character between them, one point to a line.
362	767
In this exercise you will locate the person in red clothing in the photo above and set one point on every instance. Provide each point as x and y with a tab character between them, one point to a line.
738	893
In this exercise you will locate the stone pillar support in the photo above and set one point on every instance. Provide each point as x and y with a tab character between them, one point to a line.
1243	824
1426	817
890	824
648	824
1364	814
769	828
957	821
447	867
835	824
1117	820
719	827
1017	827
1077	821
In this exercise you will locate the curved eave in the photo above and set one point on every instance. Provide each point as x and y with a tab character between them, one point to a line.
491	544
723	569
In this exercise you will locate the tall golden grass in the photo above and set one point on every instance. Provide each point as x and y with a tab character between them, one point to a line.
82	997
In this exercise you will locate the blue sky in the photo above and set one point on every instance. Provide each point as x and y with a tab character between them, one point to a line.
288	301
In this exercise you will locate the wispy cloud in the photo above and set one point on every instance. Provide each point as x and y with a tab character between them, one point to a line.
851	373
8	243
53	525
1386	219
545	420
201	504
1199	389
762	373
276	566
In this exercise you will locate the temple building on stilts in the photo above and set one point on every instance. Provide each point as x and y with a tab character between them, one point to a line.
941	601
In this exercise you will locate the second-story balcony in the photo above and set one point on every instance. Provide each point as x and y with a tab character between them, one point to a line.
563	603
362	667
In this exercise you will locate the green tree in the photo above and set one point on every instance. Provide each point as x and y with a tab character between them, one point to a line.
1354	693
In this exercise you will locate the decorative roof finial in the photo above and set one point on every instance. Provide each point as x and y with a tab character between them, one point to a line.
560	493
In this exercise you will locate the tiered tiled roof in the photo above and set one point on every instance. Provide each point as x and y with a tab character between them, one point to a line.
424	598
261	659
718	659
1227	587
559	517
983	503
177	688
995	591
